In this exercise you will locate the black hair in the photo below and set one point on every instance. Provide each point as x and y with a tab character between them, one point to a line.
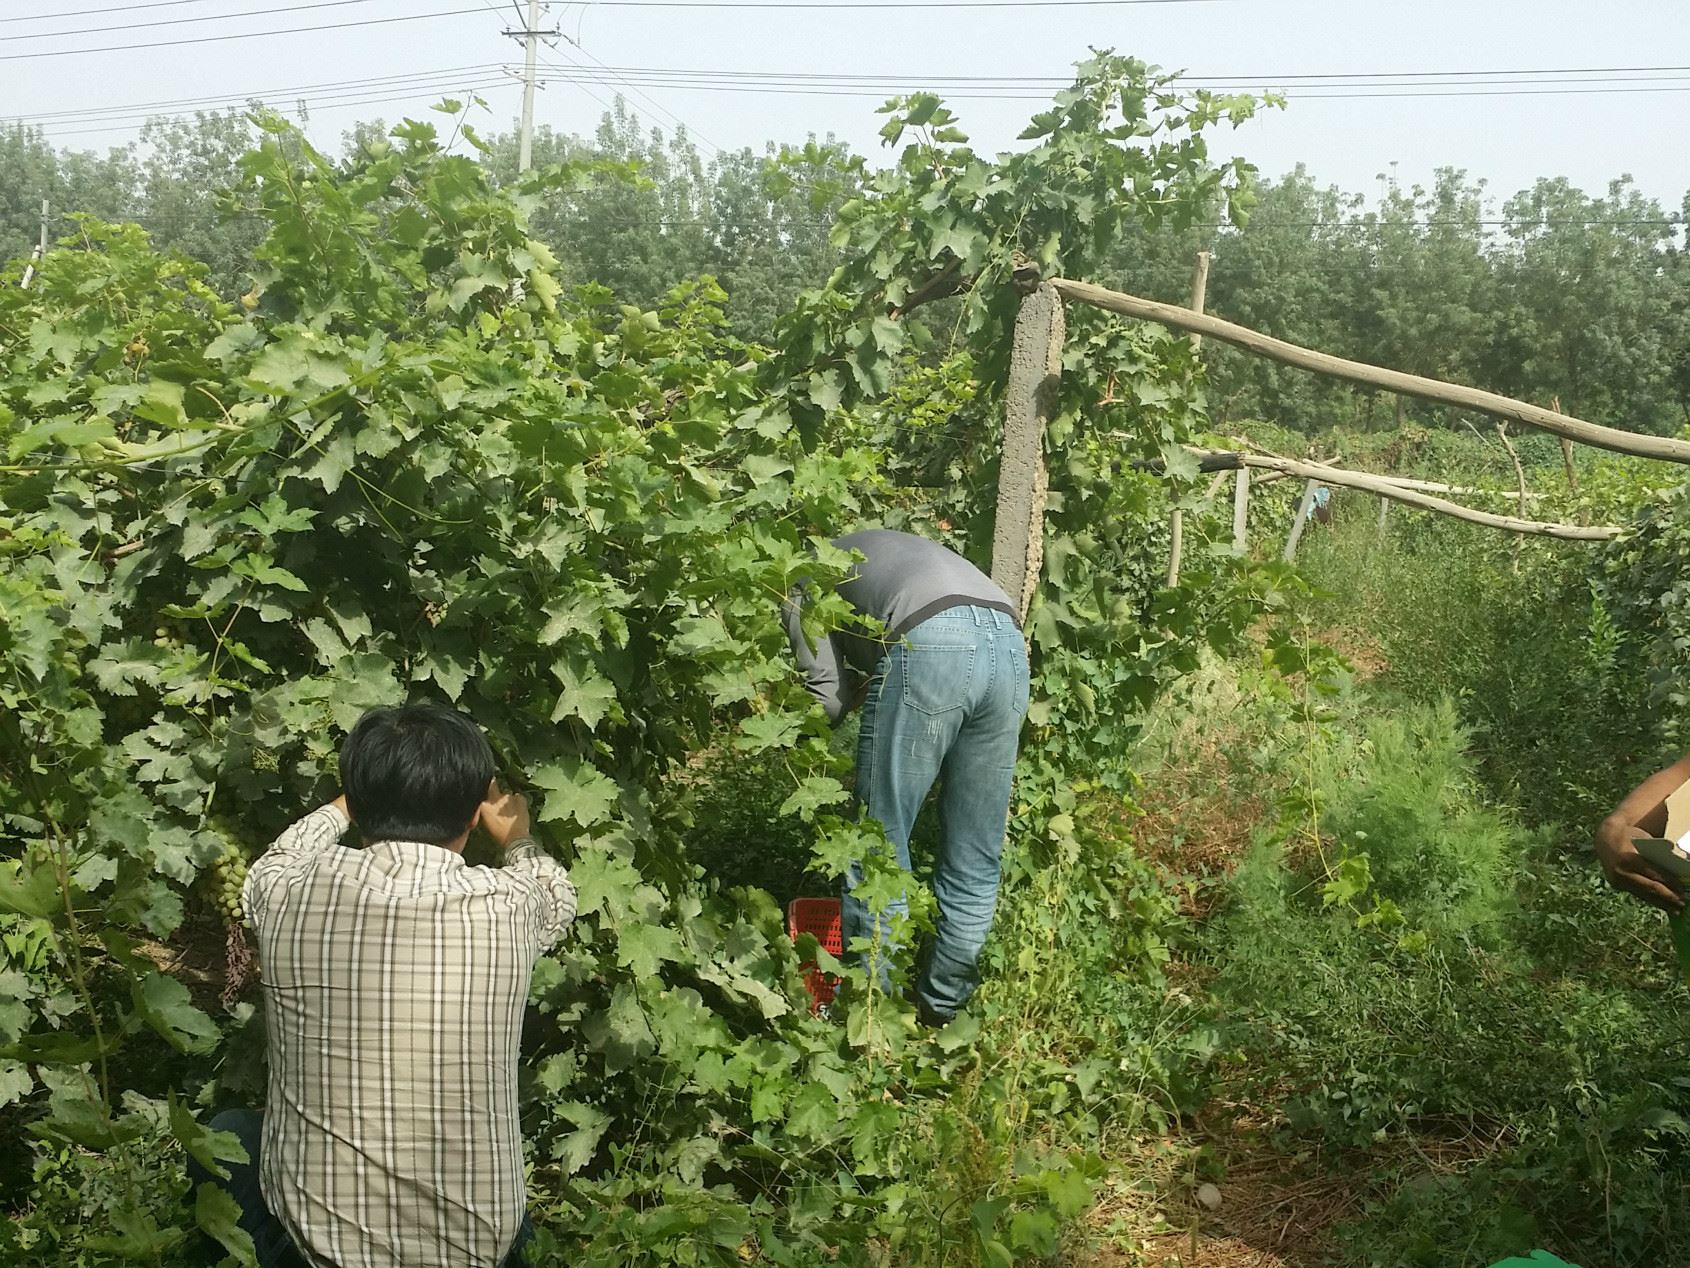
417	772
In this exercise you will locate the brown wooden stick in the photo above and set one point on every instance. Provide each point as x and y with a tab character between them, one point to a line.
1566	452
1375	376
1408	497
1520	475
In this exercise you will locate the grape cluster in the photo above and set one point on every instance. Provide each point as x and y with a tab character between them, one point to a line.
264	759
228	874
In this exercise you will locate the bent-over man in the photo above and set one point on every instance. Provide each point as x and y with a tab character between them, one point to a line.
394	981
943	690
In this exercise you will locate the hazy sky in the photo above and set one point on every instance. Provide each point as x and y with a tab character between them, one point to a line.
1509	136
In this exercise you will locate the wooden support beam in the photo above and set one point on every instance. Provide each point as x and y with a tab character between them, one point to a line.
1566	451
1199	292
1376	376
1384	487
1433	486
1035	368
1520	475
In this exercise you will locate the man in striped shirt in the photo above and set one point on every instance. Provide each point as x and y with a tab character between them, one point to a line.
394	981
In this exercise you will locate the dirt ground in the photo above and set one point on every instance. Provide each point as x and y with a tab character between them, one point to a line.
1196	818
1264	1211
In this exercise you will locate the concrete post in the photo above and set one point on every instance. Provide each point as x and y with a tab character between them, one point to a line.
1035	371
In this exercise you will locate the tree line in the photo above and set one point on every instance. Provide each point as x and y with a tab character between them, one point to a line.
1553	294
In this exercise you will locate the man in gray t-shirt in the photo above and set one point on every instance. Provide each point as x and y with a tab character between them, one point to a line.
942	680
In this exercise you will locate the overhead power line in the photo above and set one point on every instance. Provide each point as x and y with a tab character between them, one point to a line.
574	81
88	13
1365	78
1031	88
320	106
1487	74
423	78
336	101
239	35
194	21
616	78
881	4
632	77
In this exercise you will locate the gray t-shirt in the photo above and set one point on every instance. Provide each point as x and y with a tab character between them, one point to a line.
901	582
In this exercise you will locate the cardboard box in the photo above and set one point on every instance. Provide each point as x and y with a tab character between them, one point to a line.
1671	852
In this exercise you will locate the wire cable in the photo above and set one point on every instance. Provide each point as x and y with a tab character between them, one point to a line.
208	17
89	13
242	35
334	103
872	4
376	81
635	89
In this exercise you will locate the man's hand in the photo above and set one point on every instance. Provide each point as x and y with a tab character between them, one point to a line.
504	815
860	695
1626	869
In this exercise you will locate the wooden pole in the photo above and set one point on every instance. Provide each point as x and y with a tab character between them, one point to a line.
1176	547
1241	512
1199	293
1296	534
1385	487
1384	505
1520	475
1433	486
1035	369
1566	452
1468	398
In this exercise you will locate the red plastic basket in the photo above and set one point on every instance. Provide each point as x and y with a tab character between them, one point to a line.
820	917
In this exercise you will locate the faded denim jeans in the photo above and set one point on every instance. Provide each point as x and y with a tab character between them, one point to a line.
945	705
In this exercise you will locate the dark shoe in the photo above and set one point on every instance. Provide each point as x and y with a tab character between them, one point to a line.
931	1019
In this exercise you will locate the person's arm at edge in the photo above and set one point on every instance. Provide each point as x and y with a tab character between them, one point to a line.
505	817
1642	812
824	674
315	832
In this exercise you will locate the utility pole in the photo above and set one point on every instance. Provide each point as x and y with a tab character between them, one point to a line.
531	40
40	251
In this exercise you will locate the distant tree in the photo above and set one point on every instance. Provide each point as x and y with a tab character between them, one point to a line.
1676	280
1584	310
770	220
1428	283
187	168
1298	270
650	213
31	169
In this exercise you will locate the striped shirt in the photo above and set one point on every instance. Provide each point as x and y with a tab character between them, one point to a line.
394	983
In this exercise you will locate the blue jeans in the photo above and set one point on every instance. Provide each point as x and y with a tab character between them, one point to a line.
270	1239
946	705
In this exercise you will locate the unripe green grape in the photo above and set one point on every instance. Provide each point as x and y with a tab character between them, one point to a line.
229	873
